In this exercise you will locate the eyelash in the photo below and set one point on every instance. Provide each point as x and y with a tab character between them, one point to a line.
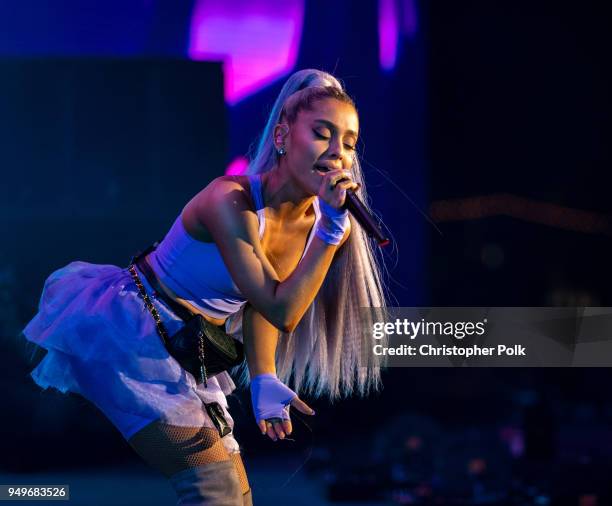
322	137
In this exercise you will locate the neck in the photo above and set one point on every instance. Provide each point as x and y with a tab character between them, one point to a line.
284	196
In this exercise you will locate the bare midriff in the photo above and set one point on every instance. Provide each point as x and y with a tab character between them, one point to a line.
186	303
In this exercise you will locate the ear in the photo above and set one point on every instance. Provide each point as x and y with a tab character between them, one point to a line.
281	130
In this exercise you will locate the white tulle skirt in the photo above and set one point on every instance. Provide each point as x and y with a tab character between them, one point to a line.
102	344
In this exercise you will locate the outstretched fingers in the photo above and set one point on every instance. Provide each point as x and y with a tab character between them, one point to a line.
301	406
280	428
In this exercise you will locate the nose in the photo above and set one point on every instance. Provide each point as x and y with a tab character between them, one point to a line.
336	150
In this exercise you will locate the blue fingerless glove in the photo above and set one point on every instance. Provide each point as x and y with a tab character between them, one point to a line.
270	397
332	224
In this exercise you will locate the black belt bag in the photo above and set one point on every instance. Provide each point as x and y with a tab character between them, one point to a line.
201	348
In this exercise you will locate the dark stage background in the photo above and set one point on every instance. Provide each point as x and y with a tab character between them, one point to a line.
486	133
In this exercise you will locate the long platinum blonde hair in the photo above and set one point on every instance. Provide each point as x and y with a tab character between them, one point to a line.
330	351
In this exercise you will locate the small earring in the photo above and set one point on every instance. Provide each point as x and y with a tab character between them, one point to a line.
282	151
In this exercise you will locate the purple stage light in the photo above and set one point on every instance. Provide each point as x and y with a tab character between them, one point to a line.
394	16
237	167
388	33
258	40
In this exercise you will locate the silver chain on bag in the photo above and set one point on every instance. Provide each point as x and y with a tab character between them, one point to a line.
161	329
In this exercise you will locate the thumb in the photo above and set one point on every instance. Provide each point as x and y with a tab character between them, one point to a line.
301	406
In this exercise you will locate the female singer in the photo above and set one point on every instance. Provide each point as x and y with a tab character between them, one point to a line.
273	258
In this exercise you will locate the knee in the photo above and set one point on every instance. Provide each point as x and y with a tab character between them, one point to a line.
213	484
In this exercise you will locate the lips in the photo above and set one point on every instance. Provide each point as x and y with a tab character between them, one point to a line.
323	168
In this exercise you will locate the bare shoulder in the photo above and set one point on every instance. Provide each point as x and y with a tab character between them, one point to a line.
225	197
225	188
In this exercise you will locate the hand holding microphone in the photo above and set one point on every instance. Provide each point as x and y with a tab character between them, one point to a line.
336	193
334	220
334	186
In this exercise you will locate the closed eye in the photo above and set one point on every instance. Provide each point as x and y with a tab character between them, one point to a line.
350	147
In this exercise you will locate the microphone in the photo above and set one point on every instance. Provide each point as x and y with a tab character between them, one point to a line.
364	218
361	214
359	211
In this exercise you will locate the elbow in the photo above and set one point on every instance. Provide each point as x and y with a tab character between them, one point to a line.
284	323
288	327
282	318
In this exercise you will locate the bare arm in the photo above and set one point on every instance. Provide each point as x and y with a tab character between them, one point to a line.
227	214
260	339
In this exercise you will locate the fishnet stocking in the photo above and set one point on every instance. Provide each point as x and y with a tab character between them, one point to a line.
242	476
171	449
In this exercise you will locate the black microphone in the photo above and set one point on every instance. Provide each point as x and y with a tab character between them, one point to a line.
364	218
361	214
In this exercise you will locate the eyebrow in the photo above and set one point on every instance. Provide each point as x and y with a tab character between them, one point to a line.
334	127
